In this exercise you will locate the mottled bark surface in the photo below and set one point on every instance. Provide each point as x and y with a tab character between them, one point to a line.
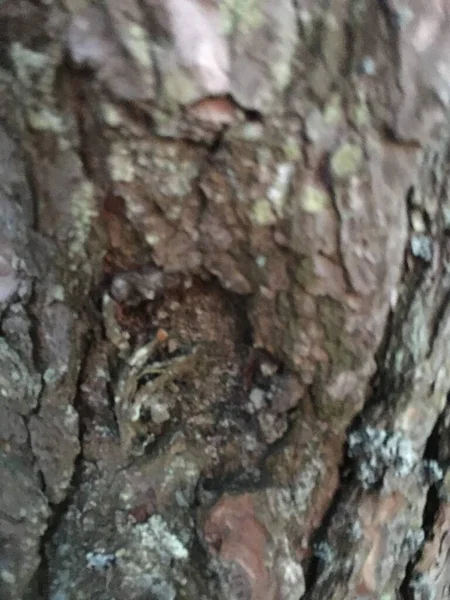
224	300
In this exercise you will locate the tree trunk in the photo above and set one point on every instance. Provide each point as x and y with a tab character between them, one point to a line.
224	299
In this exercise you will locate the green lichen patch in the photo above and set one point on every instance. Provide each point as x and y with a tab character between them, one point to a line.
332	316
179	89
304	273
44	119
292	148
111	114
333	113
32	68
137	42
360	114
262	213
241	15
347	160
314	200
281	71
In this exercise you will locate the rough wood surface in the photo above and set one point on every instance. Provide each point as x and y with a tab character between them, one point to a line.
224	299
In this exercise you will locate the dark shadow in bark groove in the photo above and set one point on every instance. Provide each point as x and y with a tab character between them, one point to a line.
311	566
42	580
431	506
381	389
439	315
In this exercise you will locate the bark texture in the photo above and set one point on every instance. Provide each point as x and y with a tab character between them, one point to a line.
224	300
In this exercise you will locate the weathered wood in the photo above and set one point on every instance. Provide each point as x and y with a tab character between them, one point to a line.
224	284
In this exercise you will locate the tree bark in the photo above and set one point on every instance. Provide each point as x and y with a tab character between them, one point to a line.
224	299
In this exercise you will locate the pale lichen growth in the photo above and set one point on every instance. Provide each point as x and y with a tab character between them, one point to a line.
291	577
32	68
324	552
361	114
99	560
279	189
413	540
44	119
240	15
375	451
313	200
58	293
432	471
17	382
369	66
333	113
250	132
149	553
261	261
36	73
83	211
179	88
120	164
151	238
138	43
262	213
292	149
111	114
7	576
422	247
347	160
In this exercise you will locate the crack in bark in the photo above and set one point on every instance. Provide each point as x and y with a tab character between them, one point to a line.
431	506
59	510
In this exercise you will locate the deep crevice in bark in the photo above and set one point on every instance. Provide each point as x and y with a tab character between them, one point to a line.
432	505
313	565
59	510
